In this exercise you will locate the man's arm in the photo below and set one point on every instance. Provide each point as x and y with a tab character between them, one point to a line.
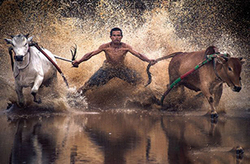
140	56
87	56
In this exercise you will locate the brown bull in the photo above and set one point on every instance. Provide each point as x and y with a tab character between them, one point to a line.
208	78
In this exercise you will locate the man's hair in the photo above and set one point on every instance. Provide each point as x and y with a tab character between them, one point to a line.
115	29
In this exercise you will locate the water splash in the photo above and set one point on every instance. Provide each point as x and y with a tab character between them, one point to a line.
154	28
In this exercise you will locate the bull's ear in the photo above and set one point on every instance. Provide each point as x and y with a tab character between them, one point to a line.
242	60
8	41
221	60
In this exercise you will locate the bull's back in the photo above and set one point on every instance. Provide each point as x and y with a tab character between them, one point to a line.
182	63
43	64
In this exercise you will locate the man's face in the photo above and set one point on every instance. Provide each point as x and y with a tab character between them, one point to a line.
116	37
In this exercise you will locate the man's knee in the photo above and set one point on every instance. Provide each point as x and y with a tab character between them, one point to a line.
84	88
135	80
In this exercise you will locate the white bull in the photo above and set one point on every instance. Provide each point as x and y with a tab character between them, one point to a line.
31	67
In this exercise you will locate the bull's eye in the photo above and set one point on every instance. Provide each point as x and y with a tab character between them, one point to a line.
229	68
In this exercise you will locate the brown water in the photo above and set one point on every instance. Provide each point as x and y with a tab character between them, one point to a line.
154	28
123	136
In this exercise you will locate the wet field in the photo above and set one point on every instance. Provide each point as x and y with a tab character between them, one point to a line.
119	123
124	136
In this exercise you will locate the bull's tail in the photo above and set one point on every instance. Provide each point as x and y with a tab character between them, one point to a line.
159	59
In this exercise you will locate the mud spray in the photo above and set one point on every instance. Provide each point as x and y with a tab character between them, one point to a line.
153	27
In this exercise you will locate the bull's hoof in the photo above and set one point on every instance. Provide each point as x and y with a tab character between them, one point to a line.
20	104
155	100
239	152
9	105
38	101
214	117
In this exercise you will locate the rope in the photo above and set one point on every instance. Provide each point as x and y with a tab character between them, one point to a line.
159	59
57	67
208	59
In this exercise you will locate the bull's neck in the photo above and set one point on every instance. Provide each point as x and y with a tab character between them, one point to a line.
23	64
217	69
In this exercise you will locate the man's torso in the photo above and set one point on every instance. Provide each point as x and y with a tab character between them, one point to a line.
115	55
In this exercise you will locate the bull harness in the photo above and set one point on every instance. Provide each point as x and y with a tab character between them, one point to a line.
208	59
171	86
41	50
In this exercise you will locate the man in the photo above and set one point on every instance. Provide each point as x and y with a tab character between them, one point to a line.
115	52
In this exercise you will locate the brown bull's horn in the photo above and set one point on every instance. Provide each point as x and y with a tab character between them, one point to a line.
226	58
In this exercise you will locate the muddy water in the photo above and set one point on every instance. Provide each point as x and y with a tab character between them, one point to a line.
128	127
123	136
153	28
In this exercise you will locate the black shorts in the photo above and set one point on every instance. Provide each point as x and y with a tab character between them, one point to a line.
106	73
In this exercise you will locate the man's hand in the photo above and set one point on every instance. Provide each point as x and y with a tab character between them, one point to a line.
75	63
152	61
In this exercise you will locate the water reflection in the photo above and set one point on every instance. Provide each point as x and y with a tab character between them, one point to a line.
122	137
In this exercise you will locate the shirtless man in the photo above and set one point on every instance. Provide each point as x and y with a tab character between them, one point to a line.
115	52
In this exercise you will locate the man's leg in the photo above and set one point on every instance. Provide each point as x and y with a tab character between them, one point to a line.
84	88
128	75
101	77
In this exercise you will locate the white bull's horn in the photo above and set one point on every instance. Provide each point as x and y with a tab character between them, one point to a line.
27	35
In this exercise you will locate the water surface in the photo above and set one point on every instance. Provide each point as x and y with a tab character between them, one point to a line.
116	135
123	136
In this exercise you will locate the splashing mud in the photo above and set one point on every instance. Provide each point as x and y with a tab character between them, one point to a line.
154	28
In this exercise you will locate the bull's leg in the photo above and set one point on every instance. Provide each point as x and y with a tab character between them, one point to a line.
182	94
37	83
19	91
217	94
208	95
37	100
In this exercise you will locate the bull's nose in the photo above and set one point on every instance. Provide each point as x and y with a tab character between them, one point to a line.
236	89
18	58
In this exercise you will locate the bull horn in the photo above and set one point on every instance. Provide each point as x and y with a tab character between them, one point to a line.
228	55
242	60
226	58
12	36
211	50
222	60
27	35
